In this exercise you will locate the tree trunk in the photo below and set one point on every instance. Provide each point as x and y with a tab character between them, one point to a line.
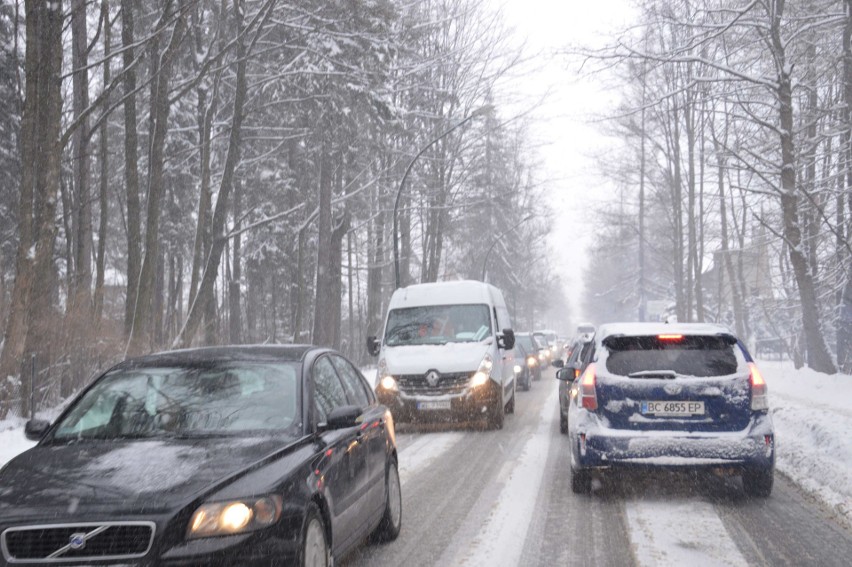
844	320
211	270
323	333
104	181
141	338
818	356
29	326
235	316
81	310
131	166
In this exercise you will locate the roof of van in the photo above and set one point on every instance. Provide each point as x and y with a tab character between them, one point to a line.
446	293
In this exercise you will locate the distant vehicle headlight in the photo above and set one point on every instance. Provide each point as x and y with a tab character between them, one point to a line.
542	356
531	361
234	516
518	369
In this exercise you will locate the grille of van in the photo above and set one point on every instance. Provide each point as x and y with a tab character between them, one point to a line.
416	384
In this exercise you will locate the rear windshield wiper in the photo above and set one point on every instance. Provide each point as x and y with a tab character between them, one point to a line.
667	374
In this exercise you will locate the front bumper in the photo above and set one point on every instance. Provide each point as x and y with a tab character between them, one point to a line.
469	404
596	446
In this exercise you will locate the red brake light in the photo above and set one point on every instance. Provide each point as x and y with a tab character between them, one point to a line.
670	337
588	395
759	399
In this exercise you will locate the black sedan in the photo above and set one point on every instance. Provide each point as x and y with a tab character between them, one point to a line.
274	455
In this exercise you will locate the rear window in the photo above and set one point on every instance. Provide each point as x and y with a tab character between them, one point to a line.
688	356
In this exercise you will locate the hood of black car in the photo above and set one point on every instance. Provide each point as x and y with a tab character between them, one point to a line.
123	478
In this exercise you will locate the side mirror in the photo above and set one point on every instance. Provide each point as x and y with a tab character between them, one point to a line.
373	346
36	428
565	375
557	363
343	417
506	339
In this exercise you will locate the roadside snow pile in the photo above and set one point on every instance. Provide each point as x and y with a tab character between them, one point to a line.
813	426
12	440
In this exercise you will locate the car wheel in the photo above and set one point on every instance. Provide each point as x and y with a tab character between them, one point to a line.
526	384
495	416
757	483
510	407
315	552
391	523
563	423
581	481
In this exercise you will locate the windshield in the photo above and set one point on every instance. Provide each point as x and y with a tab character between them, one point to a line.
438	324
526	342
163	402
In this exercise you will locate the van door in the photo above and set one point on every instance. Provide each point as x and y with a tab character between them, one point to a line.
505	356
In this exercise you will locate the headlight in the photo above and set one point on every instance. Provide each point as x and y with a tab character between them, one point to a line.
483	372
386	380
531	361
234	516
542	356
518	369
388	383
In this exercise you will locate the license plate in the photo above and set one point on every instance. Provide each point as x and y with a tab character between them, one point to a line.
673	409
434	405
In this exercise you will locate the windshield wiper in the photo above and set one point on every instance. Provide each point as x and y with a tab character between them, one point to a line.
667	374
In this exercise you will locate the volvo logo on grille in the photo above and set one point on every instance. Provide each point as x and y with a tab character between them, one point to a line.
77	541
433	377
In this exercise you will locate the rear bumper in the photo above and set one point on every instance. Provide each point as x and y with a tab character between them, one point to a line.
596	446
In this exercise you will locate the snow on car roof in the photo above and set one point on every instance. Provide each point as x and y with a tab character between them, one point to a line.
639	329
443	293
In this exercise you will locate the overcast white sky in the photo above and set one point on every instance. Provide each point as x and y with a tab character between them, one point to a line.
562	123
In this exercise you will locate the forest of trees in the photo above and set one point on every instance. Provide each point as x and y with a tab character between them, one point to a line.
735	174
201	172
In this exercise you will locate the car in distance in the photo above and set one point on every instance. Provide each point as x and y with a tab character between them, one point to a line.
682	396
578	355
529	357
216	456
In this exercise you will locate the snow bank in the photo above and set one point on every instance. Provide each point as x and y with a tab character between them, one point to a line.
813	426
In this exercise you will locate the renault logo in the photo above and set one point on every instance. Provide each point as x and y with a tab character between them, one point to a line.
433	377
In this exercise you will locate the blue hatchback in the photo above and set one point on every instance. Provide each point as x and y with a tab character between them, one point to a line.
670	396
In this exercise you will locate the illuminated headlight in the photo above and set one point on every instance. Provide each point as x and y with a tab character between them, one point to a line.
234	516
542	356
386	380
483	372
518	369
531	361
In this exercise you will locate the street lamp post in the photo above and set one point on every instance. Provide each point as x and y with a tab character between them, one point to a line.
497	239
478	112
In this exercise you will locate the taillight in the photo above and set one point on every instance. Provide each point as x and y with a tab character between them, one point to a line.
670	337
588	396
759	399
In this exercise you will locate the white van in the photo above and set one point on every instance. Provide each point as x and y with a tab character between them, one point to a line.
446	352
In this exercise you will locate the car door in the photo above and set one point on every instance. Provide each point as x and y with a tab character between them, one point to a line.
346	465
372	434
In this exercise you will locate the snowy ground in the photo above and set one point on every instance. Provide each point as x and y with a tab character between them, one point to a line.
813	419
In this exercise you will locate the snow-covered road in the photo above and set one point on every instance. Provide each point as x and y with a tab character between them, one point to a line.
490	498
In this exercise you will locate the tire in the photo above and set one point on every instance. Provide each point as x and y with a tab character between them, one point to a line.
315	550
757	483
563	423
495	415
526	385
391	522
510	407
581	481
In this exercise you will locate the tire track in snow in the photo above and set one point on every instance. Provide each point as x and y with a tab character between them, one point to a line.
424	450
505	530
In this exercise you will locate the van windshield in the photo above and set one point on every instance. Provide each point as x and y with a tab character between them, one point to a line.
438	324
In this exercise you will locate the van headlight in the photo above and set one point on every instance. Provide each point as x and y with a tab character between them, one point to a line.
483	373
386	380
